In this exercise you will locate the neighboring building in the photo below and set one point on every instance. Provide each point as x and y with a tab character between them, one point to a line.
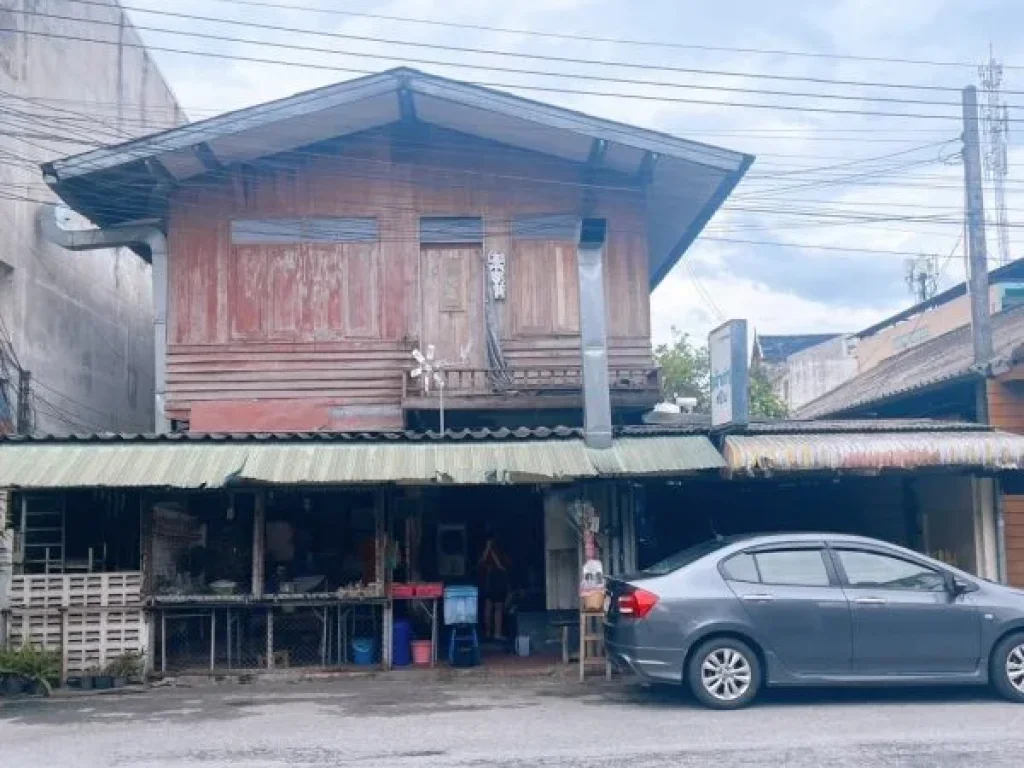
811	372
772	354
938	315
78	325
815	371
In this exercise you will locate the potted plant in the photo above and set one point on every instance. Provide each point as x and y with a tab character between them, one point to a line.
126	668
102	680
85	680
32	667
11	681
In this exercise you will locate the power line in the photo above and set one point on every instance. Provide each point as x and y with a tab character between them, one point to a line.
512	86
597	39
488	67
633	65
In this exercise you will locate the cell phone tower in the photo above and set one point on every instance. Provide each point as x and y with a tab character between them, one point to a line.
996	121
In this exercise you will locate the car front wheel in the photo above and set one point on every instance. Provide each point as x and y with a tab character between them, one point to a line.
1008	668
724	674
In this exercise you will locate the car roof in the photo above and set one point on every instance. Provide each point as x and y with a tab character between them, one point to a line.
748	539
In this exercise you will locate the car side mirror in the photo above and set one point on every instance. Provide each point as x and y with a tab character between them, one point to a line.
955	586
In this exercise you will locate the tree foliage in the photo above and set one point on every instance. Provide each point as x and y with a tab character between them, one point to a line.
686	372
764	403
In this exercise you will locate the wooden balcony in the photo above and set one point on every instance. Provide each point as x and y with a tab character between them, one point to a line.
530	388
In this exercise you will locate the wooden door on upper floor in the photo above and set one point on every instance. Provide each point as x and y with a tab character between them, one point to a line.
453	303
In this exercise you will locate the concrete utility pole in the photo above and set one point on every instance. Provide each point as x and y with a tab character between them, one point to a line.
977	259
987	496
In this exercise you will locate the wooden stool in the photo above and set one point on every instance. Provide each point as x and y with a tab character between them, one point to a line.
592	643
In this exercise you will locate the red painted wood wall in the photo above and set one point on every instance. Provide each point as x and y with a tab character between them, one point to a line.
317	336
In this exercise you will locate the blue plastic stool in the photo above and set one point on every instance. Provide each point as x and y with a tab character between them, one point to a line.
464	642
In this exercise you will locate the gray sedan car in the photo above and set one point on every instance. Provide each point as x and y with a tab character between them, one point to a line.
733	615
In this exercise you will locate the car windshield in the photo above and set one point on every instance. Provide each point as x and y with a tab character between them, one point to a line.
685	557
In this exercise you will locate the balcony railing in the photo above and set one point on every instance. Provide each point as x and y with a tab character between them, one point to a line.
470	387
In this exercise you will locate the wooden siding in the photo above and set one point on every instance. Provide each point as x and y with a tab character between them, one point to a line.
335	322
1006	411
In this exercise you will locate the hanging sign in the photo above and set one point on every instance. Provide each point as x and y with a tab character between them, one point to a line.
727	350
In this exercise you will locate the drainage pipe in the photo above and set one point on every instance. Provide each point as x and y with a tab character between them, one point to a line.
126	236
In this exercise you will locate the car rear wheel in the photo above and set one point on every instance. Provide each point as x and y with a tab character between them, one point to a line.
1007	670
724	673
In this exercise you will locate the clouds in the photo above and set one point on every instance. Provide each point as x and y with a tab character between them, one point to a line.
794	195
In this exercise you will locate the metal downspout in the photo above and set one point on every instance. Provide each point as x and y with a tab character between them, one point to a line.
116	237
597	407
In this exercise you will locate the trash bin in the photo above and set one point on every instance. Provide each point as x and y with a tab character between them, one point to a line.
364	649
402	637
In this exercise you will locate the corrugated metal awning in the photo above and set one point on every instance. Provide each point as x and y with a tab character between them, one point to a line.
873	452
194	464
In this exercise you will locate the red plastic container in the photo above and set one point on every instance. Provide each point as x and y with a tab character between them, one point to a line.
430	590
420	652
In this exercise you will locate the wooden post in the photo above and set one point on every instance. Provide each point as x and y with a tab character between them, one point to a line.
382	518
163	642
63	646
259	527
270	637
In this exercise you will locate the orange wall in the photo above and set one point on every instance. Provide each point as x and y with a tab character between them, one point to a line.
1006	412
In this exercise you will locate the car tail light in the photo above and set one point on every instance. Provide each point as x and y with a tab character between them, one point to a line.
637	603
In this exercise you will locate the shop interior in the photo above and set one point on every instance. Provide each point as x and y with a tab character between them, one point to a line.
490	538
927	512
290	577
77	531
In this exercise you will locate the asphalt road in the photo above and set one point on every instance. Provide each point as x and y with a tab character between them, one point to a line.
410	723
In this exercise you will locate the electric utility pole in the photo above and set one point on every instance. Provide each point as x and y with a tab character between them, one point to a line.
977	260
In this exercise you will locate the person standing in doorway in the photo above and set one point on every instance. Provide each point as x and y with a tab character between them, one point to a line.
494	586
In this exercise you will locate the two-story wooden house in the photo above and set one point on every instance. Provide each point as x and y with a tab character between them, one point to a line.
315	242
304	253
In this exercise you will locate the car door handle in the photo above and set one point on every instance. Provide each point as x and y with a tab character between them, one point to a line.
759	598
869	601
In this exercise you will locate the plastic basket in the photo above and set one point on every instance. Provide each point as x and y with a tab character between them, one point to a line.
460	605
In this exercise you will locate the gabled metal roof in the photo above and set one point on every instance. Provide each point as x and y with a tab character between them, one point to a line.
687	180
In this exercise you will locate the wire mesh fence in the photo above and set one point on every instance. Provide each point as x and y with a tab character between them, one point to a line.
268	637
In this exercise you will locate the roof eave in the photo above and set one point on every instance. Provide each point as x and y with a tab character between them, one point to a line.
709	209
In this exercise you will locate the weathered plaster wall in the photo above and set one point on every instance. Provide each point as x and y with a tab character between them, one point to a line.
81	323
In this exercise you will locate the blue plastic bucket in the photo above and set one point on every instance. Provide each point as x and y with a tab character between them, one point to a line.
364	649
402	639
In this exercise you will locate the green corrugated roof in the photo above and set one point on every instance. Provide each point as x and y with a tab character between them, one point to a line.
213	465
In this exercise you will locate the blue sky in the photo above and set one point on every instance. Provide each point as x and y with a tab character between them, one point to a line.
795	202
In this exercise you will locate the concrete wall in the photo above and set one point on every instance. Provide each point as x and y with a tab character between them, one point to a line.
812	372
900	337
80	323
